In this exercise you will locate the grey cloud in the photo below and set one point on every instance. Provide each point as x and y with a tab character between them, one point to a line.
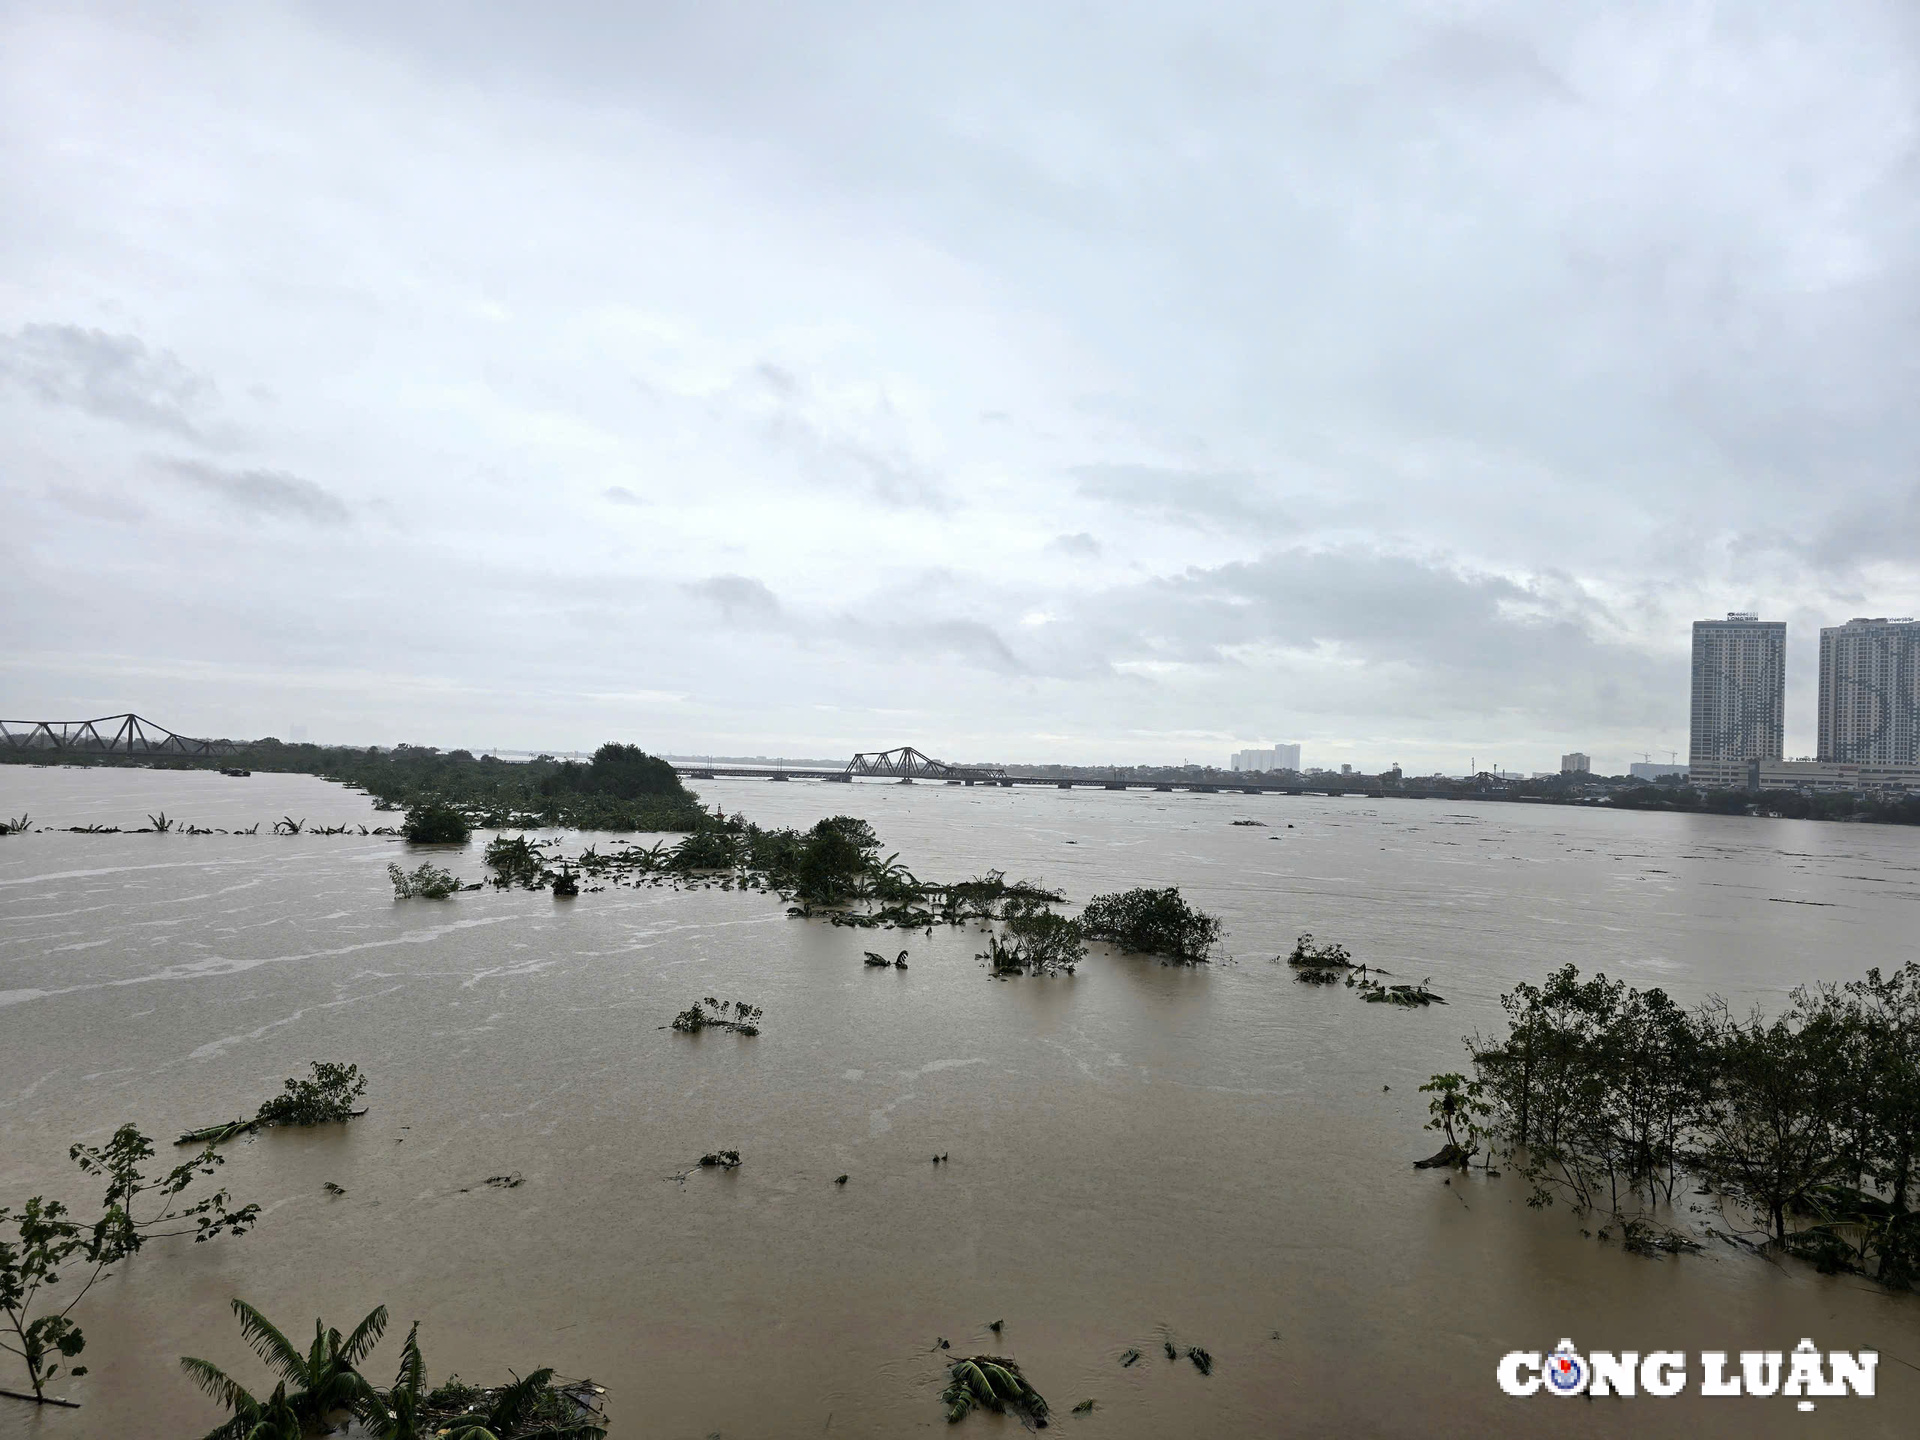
777	378
1082	546
740	599
892	479
621	495
971	642
273	494
112	376
1203	499
1417	636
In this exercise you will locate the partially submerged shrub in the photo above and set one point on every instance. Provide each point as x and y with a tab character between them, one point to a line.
44	1239
1037	942
434	823
1152	922
712	1014
992	1381
517	861
326	1098
429	882
1311	956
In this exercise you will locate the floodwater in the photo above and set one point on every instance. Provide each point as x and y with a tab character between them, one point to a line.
1138	1151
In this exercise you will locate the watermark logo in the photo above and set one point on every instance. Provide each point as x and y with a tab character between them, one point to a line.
1801	1374
1565	1372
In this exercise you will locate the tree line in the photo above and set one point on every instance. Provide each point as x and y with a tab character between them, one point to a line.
1806	1122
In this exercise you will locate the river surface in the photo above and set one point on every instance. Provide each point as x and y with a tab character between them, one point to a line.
1217	1154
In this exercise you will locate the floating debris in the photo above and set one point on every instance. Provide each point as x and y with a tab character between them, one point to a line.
994	1382
1132	1357
711	1014
15	827
333	1189
721	1160
1085	1407
841	1180
995	1326
1257	824
511	1181
1202	1361
1406	995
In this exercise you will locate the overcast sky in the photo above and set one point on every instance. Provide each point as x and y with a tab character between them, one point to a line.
1029	382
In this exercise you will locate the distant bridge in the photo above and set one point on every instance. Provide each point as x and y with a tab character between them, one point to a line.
127	734
907	764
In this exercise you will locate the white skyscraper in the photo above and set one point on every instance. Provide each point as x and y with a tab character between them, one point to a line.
1870	692
1739	696
1280	757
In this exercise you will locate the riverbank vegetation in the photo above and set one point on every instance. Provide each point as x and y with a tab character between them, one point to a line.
621	788
50	1259
1778	804
1805	1125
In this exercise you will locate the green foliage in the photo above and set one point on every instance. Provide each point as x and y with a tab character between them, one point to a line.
1808	1122
428	882
322	1100
833	857
1152	922
993	1382
47	1240
316	1389
1037	942
435	823
1459	1111
711	1014
620	772
1311	956
517	860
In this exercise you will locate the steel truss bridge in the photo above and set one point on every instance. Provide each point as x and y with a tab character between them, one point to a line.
127	734
906	765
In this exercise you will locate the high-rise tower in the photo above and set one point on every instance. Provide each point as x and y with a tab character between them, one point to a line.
1870	692
1739	696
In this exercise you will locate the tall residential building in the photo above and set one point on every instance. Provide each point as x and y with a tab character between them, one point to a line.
1280	757
1576	764
1870	692
1739	696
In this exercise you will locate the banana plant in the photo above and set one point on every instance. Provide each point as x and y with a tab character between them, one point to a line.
326	1381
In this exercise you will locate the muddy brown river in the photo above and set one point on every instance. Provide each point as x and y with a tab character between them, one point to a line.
1137	1152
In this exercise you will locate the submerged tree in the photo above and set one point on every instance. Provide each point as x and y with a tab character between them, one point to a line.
435	823
1807	1122
47	1241
324	1099
1152	922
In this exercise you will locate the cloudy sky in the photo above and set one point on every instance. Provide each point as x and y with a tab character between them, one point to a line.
1117	383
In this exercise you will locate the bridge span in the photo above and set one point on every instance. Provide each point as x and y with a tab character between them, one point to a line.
907	765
